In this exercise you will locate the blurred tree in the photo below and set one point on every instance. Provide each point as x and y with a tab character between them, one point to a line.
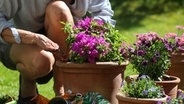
129	13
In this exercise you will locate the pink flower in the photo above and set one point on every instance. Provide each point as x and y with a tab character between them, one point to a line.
171	35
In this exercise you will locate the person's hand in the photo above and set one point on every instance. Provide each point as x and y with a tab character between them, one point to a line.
60	55
45	43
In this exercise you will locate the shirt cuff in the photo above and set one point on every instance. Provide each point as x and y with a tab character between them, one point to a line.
16	35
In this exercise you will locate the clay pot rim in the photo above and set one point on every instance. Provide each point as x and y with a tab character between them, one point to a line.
175	80
97	64
120	96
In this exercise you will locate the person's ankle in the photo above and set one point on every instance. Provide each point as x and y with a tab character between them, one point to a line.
39	99
22	100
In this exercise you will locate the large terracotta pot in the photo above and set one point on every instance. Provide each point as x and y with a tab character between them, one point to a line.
103	77
170	86
177	67
122	99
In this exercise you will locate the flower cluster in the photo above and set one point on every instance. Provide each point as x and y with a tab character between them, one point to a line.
178	100
91	45
142	87
180	37
151	54
94	40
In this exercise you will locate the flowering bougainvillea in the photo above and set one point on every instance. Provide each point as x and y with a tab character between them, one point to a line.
94	40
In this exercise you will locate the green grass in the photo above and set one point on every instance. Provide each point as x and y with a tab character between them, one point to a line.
9	84
8	81
132	17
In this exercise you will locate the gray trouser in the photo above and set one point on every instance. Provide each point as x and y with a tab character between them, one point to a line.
5	56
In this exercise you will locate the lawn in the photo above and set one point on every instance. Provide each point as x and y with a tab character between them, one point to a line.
132	17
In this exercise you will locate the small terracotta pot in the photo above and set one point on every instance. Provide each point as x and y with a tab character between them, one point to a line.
170	86
104	77
122	99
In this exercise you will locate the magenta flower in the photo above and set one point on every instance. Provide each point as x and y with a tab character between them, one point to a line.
100	22
94	40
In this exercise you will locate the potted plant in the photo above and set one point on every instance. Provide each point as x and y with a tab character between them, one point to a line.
80	98
178	100
177	60
151	56
141	90
97	59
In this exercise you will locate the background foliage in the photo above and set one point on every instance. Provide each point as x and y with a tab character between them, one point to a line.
132	16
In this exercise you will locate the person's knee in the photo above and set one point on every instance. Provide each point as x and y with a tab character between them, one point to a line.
40	65
56	12
43	63
57	9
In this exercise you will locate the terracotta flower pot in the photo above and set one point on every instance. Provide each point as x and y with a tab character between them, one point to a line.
170	86
122	99
103	77
177	67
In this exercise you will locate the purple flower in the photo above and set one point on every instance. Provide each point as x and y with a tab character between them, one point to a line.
133	83
180	42
168	47
141	52
168	99
131	50
123	52
145	62
143	77
182	96
157	54
147	43
152	89
154	59
145	92
179	92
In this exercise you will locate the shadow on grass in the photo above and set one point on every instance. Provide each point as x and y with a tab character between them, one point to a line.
5	99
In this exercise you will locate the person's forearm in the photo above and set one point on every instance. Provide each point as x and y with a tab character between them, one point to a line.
26	37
